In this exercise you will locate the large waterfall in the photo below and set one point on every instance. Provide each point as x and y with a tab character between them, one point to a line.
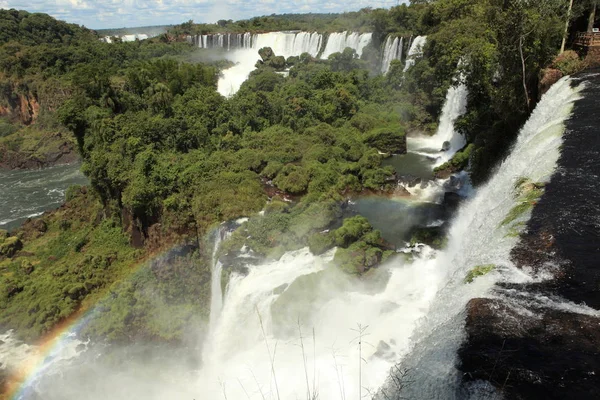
298	325
284	44
392	50
337	42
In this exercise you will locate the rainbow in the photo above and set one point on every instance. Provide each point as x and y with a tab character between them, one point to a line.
47	349
54	343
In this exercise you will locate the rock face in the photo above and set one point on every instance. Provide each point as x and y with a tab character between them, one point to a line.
542	340
24	107
553	355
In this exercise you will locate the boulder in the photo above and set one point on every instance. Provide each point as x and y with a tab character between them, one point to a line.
266	53
445	146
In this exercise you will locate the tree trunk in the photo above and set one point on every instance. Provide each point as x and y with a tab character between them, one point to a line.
524	74
592	20
564	41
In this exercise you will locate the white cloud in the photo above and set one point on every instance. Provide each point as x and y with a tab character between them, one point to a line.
120	13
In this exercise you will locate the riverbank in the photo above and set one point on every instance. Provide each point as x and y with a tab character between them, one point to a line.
32	148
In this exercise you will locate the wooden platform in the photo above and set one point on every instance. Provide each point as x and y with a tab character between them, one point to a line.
586	39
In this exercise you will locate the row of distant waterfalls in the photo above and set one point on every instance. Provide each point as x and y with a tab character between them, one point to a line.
316	44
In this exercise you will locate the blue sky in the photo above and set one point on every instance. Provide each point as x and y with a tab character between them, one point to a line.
97	14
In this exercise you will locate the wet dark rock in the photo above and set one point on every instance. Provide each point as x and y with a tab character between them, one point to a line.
12	290
401	191
451	202
453	184
445	146
409	180
551	355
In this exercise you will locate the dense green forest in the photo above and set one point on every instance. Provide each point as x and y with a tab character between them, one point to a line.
169	158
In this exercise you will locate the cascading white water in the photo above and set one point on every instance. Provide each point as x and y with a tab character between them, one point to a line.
216	292
284	44
454	107
337	42
415	51
415	318
392	50
477	237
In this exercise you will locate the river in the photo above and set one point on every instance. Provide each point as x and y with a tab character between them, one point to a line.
29	193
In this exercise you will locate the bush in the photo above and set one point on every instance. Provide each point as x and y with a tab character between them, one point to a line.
352	230
568	62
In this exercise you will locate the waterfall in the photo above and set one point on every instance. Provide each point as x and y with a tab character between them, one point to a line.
415	51
454	106
284	44
216	293
392	50
337	42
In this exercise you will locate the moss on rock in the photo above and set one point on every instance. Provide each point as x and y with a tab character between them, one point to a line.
478	271
458	162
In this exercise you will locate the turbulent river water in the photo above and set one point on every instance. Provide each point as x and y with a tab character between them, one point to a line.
28	193
297	326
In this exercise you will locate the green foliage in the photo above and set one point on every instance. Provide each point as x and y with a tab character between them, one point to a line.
353	229
38	28
391	139
320	242
6	128
478	271
457	163
69	264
